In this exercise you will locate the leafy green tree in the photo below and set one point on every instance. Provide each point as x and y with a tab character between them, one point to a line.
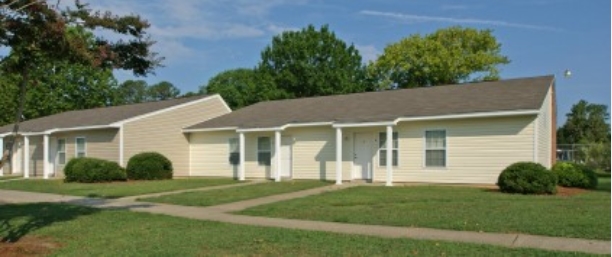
35	32
447	56
312	62
586	123
241	87
162	91
131	92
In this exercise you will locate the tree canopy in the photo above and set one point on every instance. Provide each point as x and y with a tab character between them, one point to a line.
312	62
241	87
447	56
586	123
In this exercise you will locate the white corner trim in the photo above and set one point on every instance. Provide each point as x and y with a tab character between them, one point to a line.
208	129
121	143
171	108
535	138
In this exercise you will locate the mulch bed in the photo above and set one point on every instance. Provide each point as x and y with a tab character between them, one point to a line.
28	246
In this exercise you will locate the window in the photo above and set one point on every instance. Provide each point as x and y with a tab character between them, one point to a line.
435	148
61	151
81	148
263	151
382	150
234	151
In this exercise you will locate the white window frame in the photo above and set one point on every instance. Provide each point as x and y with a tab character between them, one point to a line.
445	149
264	151
59	162
76	147
230	141
393	148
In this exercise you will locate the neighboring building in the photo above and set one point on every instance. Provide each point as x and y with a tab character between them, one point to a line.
464	133
44	145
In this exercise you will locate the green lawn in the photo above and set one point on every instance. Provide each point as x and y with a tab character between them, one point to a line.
585	215
111	190
215	197
5	177
82	231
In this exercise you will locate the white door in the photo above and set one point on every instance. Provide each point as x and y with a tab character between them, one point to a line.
286	156
362	162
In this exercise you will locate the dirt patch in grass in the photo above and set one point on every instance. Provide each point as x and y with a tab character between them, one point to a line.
28	246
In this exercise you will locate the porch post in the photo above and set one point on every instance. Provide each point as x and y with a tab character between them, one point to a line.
338	156
242	164
389	156
26	156
277	155
46	170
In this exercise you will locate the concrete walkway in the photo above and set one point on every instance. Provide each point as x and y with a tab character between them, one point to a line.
246	183
219	213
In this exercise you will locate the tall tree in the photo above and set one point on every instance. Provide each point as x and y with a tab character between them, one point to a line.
586	123
447	56
162	91
132	92
241	87
312	62
36	32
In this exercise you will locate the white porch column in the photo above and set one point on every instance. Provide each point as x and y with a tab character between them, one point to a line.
46	170
389	156
277	155
338	156
241	166
26	156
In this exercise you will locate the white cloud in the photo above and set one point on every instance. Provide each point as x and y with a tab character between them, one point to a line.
423	18
277	29
368	52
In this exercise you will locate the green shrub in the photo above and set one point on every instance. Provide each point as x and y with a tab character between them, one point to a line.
149	166
527	178
575	175
91	170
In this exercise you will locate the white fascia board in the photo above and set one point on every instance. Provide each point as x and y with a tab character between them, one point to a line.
471	115
208	129
307	124
120	123
364	124
271	129
51	131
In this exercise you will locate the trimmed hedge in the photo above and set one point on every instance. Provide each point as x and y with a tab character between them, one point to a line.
575	175
527	178
149	166
91	170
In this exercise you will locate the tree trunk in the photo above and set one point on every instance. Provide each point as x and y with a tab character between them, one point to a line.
7	153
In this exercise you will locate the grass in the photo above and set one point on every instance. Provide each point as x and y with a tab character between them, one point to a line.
585	215
5	177
215	197
111	190
82	231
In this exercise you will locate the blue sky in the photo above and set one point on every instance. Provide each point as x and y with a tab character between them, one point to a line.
200	38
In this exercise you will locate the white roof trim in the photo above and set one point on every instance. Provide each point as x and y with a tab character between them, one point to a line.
259	129
470	115
307	124
364	124
208	129
171	108
51	131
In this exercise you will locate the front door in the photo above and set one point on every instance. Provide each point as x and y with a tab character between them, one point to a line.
286	156
362	162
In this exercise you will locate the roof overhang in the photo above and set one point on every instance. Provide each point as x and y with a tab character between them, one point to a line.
56	130
373	124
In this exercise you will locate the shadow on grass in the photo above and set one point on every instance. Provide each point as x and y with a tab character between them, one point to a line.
18	220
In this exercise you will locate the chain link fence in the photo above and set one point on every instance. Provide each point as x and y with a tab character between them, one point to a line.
596	156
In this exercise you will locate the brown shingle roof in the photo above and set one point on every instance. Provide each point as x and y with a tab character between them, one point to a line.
95	117
503	95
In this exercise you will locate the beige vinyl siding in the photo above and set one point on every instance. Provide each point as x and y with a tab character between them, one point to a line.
252	167
477	149
209	154
544	130
36	154
99	143
162	132
314	152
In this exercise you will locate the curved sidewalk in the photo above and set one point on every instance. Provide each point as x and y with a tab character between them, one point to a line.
219	213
